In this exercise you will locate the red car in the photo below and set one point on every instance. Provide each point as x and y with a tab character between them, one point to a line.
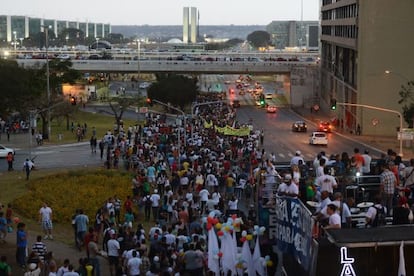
325	127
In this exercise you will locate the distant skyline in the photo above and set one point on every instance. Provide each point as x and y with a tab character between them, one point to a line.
165	12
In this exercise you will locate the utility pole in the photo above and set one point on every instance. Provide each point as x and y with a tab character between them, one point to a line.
385	110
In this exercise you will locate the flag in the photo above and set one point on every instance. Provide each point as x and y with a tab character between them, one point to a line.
213	249
228	259
256	259
247	258
401	267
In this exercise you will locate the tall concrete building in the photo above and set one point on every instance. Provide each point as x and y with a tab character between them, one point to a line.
194	25
20	27
190	25
303	34
360	40
186	24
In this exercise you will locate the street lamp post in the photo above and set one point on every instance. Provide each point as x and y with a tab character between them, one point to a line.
385	110
139	57
15	41
49	127
341	79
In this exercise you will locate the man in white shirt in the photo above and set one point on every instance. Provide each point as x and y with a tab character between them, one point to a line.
133	264
45	218
327	182
155	199
288	188
203	194
334	218
113	253
295	159
211	181
366	167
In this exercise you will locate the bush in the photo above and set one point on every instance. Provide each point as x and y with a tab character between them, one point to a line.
66	192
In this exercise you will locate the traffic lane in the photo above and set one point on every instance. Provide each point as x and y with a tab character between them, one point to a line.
280	140
57	157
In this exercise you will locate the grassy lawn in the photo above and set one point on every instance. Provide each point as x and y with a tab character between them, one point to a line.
65	185
101	122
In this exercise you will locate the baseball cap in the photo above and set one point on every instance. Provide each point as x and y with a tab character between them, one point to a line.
298	152
288	177
155	191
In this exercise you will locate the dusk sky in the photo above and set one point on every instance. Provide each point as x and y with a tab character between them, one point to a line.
165	12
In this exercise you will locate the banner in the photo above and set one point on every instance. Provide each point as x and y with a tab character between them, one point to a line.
291	225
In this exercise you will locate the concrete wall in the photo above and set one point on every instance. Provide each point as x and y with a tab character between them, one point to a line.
385	42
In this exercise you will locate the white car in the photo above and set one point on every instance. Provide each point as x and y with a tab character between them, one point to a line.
4	151
144	85
318	138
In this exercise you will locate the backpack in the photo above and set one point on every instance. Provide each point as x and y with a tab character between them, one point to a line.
148	201
380	217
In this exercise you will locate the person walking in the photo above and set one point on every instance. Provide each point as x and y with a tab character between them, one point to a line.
21	243
81	222
27	167
10	159
45	218
93	143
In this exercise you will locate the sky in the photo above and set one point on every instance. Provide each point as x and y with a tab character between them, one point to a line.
164	12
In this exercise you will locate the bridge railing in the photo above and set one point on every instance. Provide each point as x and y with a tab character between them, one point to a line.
176	66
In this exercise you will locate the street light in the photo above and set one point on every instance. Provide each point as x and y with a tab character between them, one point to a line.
139	57
15	41
341	78
389	72
49	127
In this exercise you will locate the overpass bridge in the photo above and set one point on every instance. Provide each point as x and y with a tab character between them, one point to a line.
302	76
180	66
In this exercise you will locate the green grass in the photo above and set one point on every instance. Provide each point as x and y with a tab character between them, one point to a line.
101	122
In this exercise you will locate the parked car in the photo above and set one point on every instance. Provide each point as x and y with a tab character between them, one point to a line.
5	150
299	126
318	138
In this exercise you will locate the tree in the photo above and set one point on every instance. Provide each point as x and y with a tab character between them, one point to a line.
407	99
60	72
118	105
259	39
177	90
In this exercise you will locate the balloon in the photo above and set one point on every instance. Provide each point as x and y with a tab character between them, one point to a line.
220	254
243	239
244	233
269	263
220	233
227	228
249	237
218	225
209	219
215	220
209	226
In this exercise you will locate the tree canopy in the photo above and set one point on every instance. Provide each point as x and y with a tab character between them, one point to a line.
407	100
259	39
177	90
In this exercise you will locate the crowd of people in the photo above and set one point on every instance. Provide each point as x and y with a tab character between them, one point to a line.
185	173
178	181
